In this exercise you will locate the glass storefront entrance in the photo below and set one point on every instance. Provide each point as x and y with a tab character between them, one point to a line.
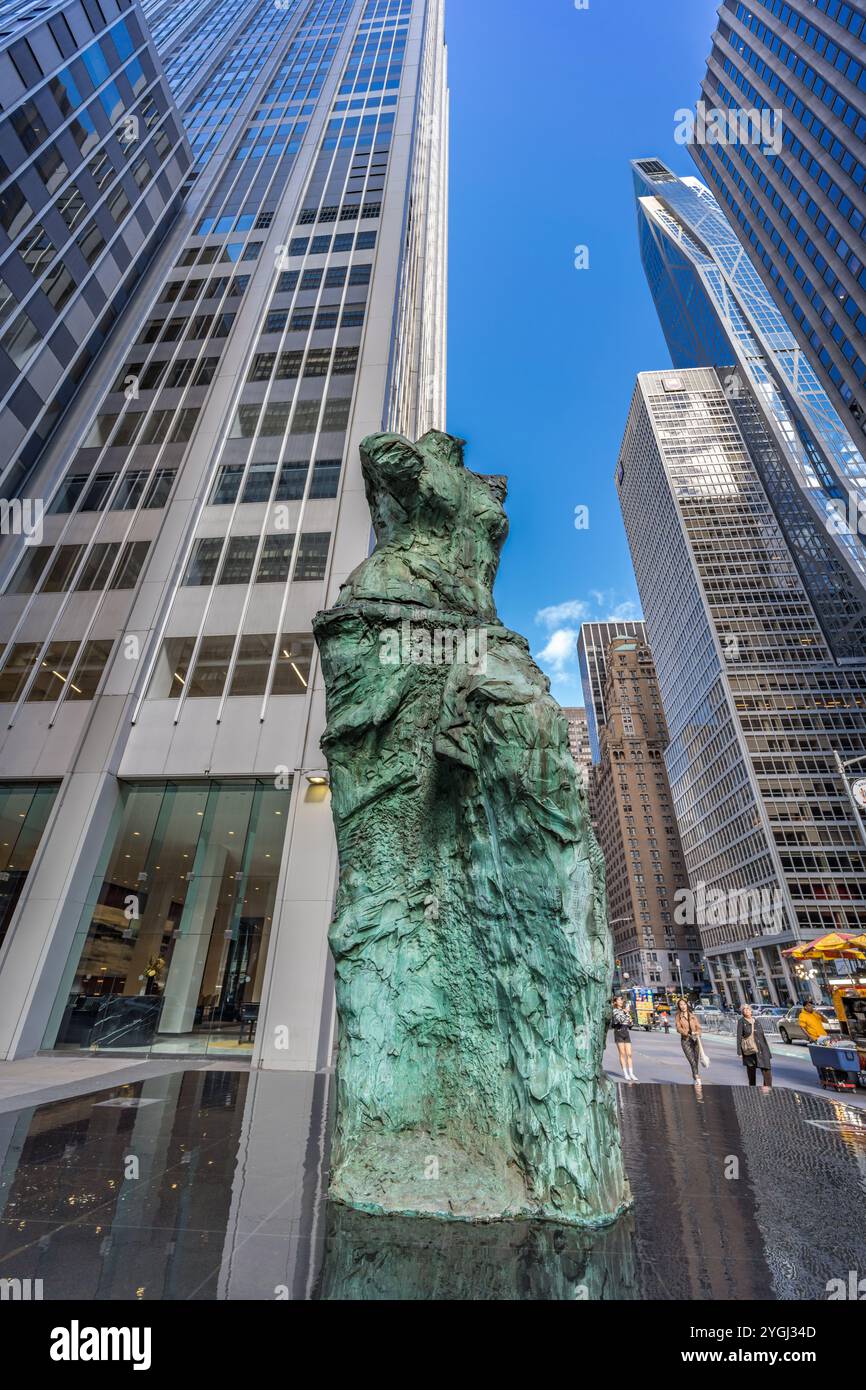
171	950
24	810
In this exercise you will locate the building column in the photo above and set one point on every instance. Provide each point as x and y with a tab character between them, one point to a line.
192	939
296	1018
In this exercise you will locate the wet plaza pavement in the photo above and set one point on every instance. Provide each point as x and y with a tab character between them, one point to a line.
211	1185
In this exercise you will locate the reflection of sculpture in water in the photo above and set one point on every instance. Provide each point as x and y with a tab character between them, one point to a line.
473	960
369	1258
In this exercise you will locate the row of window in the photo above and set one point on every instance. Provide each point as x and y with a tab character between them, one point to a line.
350	212
324	245
231	222
209	255
302	319
334	278
240	559
250	676
189	329
822	135
194	371
53	674
209	287
845	15
273	419
260	480
339	361
56	40
137	485
159	427
37	249
94	574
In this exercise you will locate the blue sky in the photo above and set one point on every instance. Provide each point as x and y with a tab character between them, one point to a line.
548	104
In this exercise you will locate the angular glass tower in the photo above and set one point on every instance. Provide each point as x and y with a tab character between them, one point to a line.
92	160
715	311
757	705
204	500
800	212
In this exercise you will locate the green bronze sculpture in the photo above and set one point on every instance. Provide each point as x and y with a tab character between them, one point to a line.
473	959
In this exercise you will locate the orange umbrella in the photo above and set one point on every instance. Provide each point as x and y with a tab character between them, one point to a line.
834	946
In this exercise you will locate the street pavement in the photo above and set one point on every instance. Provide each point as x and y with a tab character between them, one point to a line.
658	1057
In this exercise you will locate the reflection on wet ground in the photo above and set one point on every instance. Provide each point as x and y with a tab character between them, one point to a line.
211	1185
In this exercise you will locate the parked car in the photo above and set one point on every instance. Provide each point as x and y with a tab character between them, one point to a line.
790	1030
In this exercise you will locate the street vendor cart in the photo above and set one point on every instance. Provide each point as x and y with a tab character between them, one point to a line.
840	1061
840	1066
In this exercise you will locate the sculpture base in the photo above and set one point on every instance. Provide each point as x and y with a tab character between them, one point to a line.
473	1215
475	1178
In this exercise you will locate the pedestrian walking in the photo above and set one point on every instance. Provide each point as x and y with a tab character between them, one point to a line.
754	1048
689	1029
622	1037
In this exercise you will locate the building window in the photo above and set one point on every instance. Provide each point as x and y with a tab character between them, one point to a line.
130	491
273	565
172	951
53	675
290	488
291	672
57	671
24	811
94	572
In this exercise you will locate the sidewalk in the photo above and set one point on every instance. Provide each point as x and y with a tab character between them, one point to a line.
779	1049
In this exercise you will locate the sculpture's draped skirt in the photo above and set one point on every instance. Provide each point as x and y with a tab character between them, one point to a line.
473	962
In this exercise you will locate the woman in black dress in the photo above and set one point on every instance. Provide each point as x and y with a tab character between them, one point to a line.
622	1037
754	1048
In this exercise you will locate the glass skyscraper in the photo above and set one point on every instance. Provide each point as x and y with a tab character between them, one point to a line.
204	500
799	206
715	311
756	701
92	161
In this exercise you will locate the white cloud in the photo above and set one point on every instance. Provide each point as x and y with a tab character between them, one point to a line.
558	658
574	610
612	610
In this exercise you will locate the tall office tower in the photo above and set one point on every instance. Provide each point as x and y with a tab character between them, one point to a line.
634	820
169	845
592	643
798	203
578	742
715	311
92	160
757	705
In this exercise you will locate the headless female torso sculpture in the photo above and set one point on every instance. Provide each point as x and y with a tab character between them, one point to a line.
473	960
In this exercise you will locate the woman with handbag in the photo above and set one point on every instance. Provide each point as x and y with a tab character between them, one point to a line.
754	1048
689	1029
